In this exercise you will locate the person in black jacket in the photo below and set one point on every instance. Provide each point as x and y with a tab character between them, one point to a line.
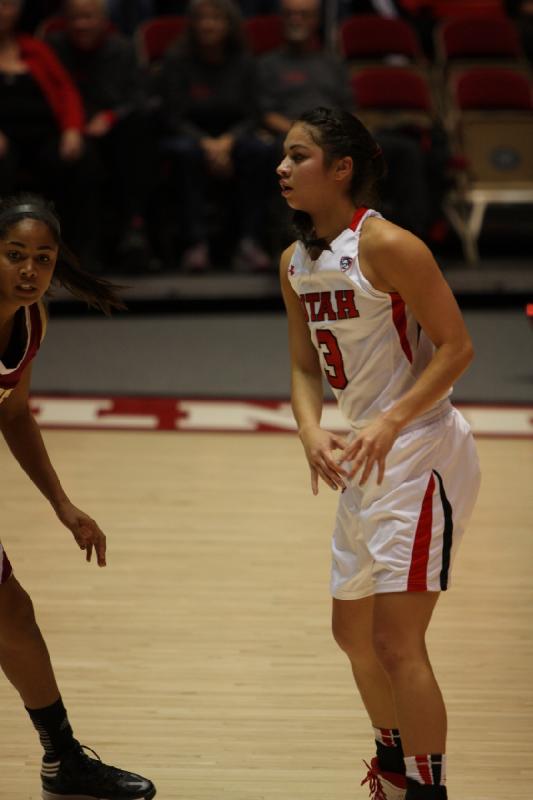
208	111
104	65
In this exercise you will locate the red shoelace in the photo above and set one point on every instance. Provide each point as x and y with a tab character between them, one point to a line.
374	784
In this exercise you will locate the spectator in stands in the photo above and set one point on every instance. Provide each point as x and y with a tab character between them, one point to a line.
104	66
41	131
301	76
208	100
128	14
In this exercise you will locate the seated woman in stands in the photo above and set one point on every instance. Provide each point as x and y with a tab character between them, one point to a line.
208	112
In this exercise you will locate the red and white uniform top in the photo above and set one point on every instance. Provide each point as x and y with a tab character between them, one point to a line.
28	332
370	346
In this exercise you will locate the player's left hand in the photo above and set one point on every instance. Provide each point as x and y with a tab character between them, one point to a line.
370	448
85	531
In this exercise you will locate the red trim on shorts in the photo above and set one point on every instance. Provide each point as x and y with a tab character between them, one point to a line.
417	581
5	567
357	217
400	323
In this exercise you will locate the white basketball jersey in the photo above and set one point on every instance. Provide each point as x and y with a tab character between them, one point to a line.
371	348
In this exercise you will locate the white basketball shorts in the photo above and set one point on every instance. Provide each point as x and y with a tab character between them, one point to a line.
402	536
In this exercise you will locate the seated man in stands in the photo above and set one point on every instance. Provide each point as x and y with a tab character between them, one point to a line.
303	75
104	66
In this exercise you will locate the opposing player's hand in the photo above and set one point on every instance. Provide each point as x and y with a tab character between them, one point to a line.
85	531
319	446
370	448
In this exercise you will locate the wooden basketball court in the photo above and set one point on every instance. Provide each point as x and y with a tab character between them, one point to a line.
202	657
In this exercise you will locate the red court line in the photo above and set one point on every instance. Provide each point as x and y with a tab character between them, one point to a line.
234	415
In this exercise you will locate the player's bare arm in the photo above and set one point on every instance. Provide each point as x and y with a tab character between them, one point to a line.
24	439
394	260
405	264
307	390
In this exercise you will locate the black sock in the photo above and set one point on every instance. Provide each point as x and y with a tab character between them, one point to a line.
420	791
53	727
390	755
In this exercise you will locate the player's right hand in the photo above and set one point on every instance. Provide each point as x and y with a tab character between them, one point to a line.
85	531
319	446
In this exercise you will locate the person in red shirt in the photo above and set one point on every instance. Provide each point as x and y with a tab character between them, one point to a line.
41	132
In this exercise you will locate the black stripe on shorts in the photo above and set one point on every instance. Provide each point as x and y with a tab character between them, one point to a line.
447	536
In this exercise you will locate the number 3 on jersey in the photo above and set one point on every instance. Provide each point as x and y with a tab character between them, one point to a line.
330	349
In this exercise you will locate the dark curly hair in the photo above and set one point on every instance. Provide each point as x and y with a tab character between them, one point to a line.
97	292
339	133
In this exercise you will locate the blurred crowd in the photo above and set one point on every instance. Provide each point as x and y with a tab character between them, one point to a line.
171	163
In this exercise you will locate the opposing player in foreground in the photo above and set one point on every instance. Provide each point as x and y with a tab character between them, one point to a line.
368	306
32	255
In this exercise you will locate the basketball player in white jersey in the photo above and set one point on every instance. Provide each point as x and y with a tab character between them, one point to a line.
31	255
368	308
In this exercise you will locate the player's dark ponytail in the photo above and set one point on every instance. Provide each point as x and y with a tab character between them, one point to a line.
339	134
97	292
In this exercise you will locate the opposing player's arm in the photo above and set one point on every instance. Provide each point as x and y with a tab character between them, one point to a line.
16	404
24	439
402	263
307	391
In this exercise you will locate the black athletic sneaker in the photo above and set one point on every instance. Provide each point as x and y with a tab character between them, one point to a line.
79	777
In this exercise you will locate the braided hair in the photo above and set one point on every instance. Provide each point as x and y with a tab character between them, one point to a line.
338	133
97	292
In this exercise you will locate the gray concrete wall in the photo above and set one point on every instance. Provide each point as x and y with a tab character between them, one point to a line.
244	355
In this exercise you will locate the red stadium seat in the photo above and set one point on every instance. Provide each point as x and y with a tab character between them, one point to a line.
394	97
369	36
156	35
492	128
468	37
263	33
391	88
483	88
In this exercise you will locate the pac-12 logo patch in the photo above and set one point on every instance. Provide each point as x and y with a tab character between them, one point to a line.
346	262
